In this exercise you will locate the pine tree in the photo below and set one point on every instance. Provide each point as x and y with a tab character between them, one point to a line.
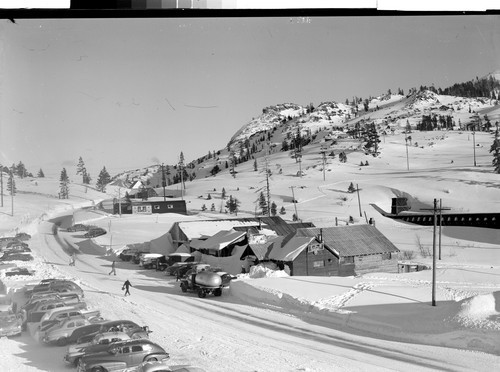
232	204
212	208
40	174
80	167
495	149
255	165
274	209
64	185
282	210
263	204
203	207
21	170
86	178
223	193
102	180
351	188
11	183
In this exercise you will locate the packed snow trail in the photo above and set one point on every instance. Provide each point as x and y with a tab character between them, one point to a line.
226	334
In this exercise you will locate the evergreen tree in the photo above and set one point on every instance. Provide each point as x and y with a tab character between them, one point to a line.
40	174
495	150
212	207
21	170
209	197
232	204
11	183
263	204
282	210
86	178
274	209
103	179
203	207
351	188
64	185
223	193
215	170
255	165
80	167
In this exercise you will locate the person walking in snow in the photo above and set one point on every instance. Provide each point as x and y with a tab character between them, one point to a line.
113	270
126	286
72	260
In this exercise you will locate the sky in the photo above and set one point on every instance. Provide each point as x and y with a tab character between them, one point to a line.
128	93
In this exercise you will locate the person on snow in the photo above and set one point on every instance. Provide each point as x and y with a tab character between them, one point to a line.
113	270
126	286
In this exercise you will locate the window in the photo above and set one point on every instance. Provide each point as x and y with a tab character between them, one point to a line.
386	256
136	349
170	206
157	207
347	259
125	350
141	208
318	264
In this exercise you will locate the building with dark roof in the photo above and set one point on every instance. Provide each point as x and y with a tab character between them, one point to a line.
335	251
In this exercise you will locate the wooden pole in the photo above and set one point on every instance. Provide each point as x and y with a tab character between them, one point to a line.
359	201
434	256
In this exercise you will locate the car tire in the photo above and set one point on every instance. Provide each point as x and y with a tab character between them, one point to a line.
183	287
98	369
77	362
218	292
201	293
62	341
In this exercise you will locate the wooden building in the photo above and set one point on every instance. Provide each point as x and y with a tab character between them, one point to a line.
335	251
152	205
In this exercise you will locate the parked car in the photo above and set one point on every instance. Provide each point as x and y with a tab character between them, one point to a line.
61	313
23	236
162	366
59	286
59	334
19	271
122	355
94	231
128	253
99	341
10	325
86	333
16	243
16	256
78	227
146	260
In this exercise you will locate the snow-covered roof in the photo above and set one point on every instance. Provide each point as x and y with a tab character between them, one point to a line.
222	239
291	249
196	229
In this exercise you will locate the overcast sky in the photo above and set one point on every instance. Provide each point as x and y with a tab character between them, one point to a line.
128	93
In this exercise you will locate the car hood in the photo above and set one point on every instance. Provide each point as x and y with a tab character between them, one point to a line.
9	323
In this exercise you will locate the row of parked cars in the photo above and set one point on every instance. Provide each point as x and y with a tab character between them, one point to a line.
15	248
91	231
56	314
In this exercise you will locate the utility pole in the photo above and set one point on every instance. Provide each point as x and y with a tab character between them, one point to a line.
294	203
434	213
163	181
407	157
323	154
474	145
1	182
359	201
12	190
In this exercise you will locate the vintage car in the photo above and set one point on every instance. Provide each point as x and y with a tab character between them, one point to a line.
78	227
16	256
99	341
94	231
85	334
59	334
203	282
146	260
163	366
15	271
122	355
23	236
10	325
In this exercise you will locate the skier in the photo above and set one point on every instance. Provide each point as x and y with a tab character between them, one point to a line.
113	270
126	286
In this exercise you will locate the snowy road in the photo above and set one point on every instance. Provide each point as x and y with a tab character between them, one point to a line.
224	334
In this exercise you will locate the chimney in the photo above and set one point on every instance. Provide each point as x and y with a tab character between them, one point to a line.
320	235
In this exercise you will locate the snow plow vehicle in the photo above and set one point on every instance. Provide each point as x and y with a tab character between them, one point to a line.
203	282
